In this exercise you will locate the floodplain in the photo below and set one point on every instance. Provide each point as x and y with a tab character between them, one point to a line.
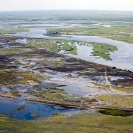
70	69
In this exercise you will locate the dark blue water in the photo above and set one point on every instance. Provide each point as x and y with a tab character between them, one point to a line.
10	107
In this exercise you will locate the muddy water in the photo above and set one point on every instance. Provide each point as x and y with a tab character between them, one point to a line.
123	58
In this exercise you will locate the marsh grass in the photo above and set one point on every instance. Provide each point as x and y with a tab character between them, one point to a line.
10	51
74	51
124	89
116	100
103	50
52	45
13	31
9	76
83	123
117	31
116	112
53	93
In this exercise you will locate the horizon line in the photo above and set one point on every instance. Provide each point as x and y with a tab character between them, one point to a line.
66	10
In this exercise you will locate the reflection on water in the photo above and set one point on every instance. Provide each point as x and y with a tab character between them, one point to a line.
31	110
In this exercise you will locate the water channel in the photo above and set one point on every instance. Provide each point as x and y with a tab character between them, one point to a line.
123	58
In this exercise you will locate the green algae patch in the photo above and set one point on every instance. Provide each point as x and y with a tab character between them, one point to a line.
84	123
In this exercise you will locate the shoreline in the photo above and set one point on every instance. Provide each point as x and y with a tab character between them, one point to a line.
92	106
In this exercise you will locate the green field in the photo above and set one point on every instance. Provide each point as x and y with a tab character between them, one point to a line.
13	31
85	123
118	32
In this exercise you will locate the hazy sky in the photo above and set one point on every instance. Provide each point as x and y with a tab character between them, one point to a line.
7	5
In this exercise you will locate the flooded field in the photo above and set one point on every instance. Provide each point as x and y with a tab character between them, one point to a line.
51	65
120	59
24	110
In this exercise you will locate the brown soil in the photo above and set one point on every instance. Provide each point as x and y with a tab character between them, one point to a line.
8	96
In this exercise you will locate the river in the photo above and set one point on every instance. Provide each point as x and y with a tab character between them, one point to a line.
123	58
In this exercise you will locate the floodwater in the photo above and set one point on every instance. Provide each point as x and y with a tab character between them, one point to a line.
23	41
123	58
80	86
32	110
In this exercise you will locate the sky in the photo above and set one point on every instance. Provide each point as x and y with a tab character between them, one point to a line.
13	5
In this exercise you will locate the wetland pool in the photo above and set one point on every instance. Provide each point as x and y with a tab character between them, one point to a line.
33	110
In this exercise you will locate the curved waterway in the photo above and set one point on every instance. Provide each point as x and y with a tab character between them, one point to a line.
123	58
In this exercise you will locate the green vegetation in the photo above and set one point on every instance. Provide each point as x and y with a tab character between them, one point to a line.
9	51
124	89
84	123
54	45
49	45
8	76
51	63
72	31
120	32
53	93
13	31
65	31
73	51
128	39
117	100
116	112
60	94
66	45
32	56
103	50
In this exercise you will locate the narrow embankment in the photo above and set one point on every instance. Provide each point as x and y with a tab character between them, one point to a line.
66	103
83	105
8	96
